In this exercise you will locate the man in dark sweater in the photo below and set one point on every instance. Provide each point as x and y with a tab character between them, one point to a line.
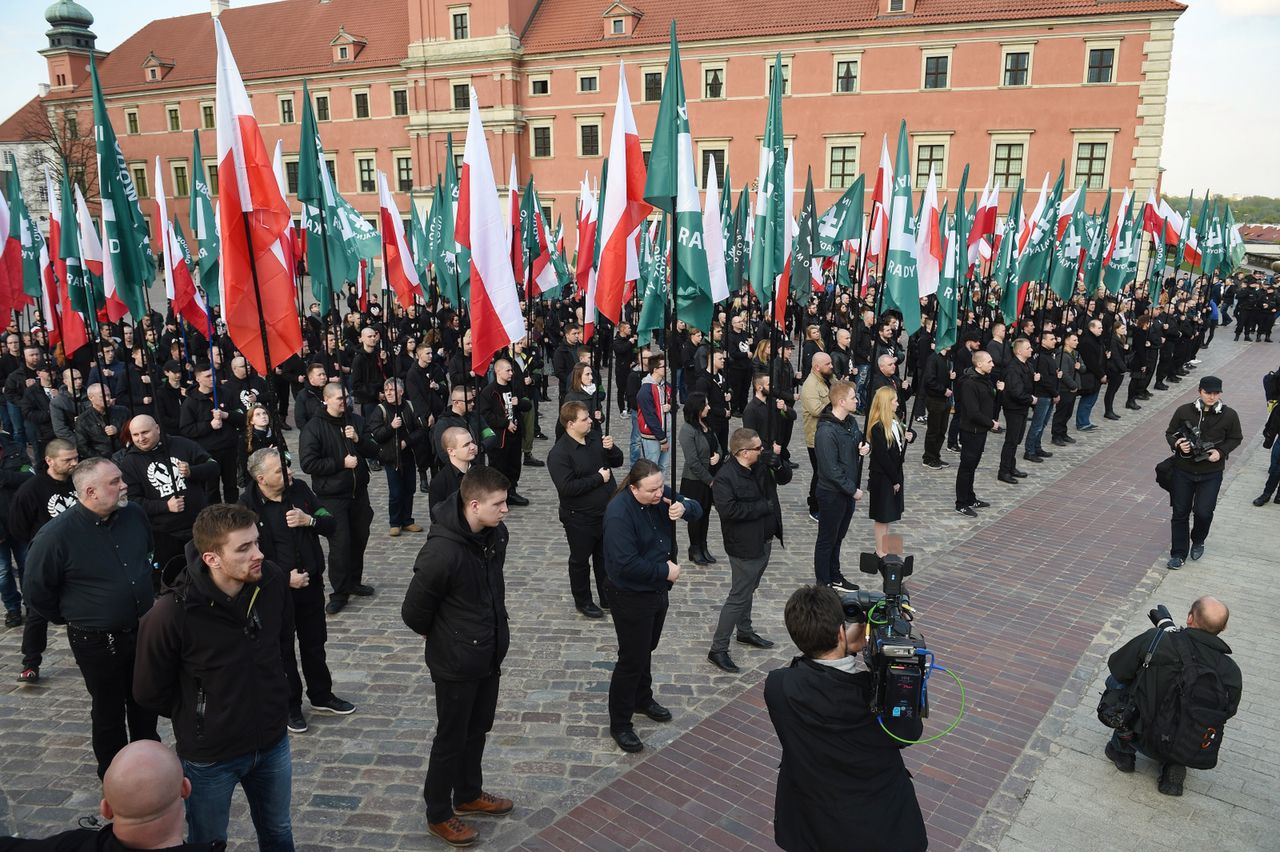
580	466
100	429
976	415
1016	398
1202	435
460	452
498	405
214	427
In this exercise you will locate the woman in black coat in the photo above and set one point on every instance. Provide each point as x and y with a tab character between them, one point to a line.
583	389
701	453
888	438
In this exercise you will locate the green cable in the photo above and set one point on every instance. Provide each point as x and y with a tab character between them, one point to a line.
937	736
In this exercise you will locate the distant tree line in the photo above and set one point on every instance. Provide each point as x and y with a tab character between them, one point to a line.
1252	209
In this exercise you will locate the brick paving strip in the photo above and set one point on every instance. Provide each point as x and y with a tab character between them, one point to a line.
1013	609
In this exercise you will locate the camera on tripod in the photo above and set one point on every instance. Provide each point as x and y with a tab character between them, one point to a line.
1199	447
894	655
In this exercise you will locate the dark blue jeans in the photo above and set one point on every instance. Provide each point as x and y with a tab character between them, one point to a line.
267	779
402	483
1084	408
1194	497
835	511
12	557
1273	472
1039	420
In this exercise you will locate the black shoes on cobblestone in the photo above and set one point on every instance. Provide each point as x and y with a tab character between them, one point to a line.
1197	550
627	741
1174	563
1132	406
722	661
335	705
1008	478
336	604
516	500
297	722
656	711
13	619
590	610
755	640
530	461
979	504
1019	474
1171	778
1124	762
967	511
362	591
1032	457
1260	500
840	584
1111	415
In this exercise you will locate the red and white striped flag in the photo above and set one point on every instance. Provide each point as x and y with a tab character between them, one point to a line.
929	240
624	208
179	285
91	255
1116	225
69	326
585	273
401	274
288	240
513	233
982	233
258	288
879	226
496	320
1032	224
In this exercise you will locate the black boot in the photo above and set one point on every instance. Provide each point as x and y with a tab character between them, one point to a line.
1261	499
707	558
695	556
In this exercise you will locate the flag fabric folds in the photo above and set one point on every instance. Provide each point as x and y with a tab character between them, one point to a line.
401	274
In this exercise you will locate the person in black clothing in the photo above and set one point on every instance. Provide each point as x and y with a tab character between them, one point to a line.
839	449
460	413
1045	376
211	657
624	348
19	378
498	406
976	411
101	428
1152	681
841	776
367	372
639	540
214	427
581	465
737	343
745	492
14	473
1118	361
1016	399
169	397
1196	481
457	600
36	416
460	450
310	400
1093	375
763	413
401	432
565	357
936	381
90	569
157	469
701	454
712	383
290	523
333	448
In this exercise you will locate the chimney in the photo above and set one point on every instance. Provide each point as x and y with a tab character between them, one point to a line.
43	89
217	7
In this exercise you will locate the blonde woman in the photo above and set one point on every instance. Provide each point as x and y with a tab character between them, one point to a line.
888	438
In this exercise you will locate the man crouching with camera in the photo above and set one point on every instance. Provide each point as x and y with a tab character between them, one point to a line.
1171	692
842	783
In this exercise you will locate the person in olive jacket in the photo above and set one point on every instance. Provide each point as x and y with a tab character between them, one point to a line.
746	497
457	600
211	657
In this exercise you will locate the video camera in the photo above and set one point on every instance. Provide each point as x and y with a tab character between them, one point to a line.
895	657
1199	447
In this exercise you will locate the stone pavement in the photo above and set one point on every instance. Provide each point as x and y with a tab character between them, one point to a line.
357	780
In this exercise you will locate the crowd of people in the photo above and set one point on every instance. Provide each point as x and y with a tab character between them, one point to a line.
170	455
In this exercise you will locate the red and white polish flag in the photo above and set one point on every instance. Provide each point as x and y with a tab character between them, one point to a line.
624	208
401	274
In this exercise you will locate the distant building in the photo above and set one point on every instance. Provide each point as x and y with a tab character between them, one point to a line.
1012	90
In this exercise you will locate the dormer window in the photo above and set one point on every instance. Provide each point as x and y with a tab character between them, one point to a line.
346	46
620	20
156	68
619	26
344	52
153	74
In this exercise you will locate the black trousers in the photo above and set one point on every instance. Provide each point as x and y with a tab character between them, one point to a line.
971	447
464	717
586	556
507	457
939	410
1194	497
226	478
168	546
813	482
1062	412
1114	381
350	536
309	627
637	619
35	639
106	663
700	491
1015	427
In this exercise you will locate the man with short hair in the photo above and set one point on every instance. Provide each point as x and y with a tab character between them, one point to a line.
456	599
169	398
498	405
839	447
581	465
90	569
214	426
1017	399
1069	371
976	414
100	428
67	405
1045	384
653	404
460	451
400	431
211	657
310	401
290	523
1197	473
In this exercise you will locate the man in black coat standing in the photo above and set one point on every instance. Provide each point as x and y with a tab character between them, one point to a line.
457	600
1016	399
499	406
841	783
976	415
213	426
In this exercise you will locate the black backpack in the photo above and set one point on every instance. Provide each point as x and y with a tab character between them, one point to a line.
1191	716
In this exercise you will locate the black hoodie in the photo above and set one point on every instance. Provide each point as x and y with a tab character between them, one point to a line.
841	775
457	597
214	664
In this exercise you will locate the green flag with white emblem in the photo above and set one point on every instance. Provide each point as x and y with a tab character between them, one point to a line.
204	226
901	283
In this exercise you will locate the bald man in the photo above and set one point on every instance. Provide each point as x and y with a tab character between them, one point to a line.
1200	638
142	794
100	428
159	470
815	397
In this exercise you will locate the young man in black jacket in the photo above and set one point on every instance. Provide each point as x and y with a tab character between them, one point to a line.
581	465
211	657
457	600
745	492
1017	400
214	427
402	435
499	405
936	382
841	776
1045	376
838	450
976	414
460	451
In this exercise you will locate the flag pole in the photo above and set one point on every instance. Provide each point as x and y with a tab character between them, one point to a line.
277	433
670	333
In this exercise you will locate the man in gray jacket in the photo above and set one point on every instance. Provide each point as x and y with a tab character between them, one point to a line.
1068	361
67	405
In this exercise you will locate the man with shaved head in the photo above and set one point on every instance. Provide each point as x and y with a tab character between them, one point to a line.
168	475
1170	650
460	450
815	397
100	428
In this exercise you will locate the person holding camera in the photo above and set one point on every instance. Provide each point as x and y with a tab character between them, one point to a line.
1151	666
841	782
1202	434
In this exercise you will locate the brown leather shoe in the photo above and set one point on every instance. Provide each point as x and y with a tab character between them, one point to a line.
411	528
486	805
395	531
454	831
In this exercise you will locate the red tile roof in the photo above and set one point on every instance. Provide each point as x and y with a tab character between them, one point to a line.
290	37
1260	233
577	24
18	127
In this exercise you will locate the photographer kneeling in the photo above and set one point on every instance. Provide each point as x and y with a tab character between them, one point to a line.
842	783
1184	688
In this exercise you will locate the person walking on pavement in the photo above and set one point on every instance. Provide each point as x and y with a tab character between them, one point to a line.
1202	435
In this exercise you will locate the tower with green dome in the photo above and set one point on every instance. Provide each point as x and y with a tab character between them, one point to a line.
71	41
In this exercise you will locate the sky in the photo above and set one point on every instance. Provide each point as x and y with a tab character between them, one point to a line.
1220	133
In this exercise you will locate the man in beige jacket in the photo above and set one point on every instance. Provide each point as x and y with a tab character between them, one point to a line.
815	396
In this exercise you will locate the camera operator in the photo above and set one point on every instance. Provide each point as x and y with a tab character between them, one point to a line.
1202	434
1207	618
841	775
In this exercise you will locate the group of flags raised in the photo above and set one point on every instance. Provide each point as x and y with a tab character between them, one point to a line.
247	249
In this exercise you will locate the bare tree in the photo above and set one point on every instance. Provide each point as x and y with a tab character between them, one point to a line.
66	132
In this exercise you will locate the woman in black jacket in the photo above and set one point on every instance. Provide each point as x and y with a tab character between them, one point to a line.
583	389
258	434
888	438
701	451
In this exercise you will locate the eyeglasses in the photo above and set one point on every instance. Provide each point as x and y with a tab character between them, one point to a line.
752	449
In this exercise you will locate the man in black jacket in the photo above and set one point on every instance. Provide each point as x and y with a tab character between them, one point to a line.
290	523
581	465
333	447
401	433
1206	620
157	468
976	414
310	400
498	405
169	398
838	448
1093	356
36	416
746	498
1195	427
100	428
1045	376
214	427
1016	399
211	657
460	451
936	382
457	600
841	776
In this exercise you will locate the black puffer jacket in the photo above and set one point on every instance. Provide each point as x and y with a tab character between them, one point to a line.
323	445
457	597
